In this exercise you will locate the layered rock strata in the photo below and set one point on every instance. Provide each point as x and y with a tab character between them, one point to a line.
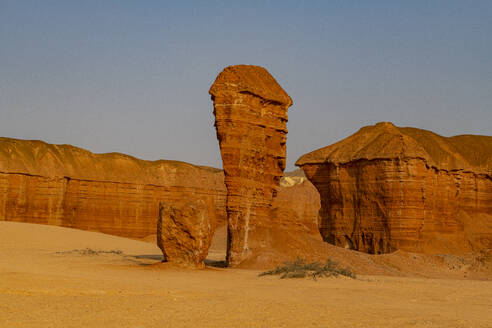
387	188
291	229
111	193
119	195
184	233
250	111
298	196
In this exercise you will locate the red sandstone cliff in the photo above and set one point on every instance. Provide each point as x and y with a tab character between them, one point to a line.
118	194
250	110
111	193
386	188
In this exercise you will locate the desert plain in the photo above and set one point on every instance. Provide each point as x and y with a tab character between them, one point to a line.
59	277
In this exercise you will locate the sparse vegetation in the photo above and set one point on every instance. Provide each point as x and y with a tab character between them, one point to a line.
484	256
299	268
90	251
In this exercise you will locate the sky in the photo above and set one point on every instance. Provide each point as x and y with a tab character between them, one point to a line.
133	76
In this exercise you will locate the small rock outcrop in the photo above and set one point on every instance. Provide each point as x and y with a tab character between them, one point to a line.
250	111
387	188
184	233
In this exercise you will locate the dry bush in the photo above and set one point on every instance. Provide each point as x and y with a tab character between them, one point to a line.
89	251
299	268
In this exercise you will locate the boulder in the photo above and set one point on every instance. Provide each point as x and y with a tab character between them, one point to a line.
184	233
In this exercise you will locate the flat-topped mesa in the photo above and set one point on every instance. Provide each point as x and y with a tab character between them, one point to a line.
38	158
386	188
387	141
250	110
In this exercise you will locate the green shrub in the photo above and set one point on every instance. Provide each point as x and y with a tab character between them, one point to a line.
299	268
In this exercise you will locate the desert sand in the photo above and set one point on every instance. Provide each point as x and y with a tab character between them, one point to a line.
48	278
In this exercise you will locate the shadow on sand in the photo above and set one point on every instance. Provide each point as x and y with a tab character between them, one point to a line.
216	264
160	258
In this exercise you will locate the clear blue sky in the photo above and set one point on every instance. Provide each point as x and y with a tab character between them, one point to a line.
133	76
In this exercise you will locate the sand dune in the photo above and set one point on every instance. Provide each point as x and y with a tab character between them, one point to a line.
49	279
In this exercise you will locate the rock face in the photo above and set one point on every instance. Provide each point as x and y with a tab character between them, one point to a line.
250	111
291	229
387	188
184	233
111	193
298	196
119	195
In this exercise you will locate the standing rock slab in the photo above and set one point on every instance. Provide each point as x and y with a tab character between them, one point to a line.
250	110
184	233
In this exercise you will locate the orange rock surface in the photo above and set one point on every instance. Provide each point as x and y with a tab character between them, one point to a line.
291	228
184	233
299	197
250	111
119	195
387	188
112	193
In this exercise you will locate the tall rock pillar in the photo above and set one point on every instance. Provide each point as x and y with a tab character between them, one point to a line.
250	110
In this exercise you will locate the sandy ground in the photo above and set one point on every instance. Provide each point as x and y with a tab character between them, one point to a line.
49	279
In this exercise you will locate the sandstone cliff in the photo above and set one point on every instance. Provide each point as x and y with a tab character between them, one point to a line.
387	188
117	194
250	111
111	193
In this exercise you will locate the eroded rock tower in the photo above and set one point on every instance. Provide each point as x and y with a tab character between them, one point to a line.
250	110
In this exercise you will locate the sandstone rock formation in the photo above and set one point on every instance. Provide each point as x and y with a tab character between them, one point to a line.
250	111
111	193
119	195
298	196
291	229
184	233
387	188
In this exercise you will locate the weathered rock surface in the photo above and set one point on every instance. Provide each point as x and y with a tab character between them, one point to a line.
298	196
291	229
184	233
250	111
119	195
111	193
387	188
